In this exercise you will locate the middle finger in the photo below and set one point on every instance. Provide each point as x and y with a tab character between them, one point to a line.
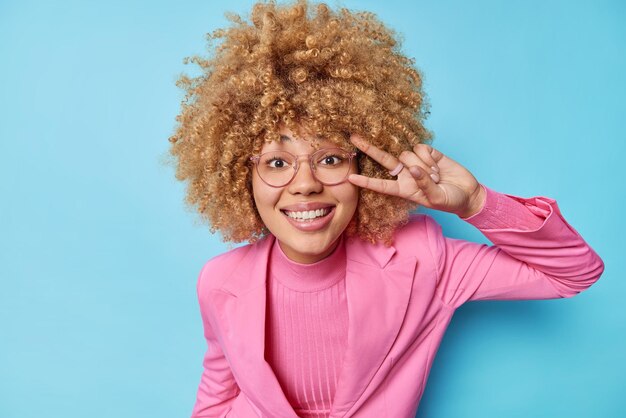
411	159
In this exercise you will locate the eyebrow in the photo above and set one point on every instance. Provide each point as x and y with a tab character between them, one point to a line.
284	138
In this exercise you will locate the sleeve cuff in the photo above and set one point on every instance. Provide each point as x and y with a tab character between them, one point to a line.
501	211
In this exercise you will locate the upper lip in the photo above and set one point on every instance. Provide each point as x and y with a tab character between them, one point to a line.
303	207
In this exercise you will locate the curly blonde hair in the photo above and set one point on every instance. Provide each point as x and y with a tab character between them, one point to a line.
295	65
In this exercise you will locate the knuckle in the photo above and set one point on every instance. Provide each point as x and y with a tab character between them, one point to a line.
405	154
415	195
386	158
425	155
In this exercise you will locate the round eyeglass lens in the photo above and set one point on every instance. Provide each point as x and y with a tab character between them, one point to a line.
276	168
331	166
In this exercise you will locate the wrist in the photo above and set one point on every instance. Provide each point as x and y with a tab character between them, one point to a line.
476	203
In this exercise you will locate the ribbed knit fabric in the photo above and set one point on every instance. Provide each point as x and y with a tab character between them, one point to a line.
502	211
307	328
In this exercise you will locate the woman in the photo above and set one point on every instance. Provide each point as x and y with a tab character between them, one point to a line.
304	136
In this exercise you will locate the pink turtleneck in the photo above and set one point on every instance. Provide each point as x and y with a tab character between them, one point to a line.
307	328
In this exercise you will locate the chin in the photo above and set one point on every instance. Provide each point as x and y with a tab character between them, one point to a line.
302	252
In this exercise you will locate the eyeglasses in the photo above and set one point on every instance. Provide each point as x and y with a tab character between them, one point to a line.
329	166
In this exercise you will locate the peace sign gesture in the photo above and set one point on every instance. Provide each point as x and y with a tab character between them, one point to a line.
425	176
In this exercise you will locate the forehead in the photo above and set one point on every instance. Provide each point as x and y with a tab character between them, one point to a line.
292	142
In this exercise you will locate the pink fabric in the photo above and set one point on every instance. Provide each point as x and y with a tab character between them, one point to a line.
500	211
307	329
400	300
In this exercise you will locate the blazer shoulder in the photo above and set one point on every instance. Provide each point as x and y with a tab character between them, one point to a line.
419	230
217	270
421	237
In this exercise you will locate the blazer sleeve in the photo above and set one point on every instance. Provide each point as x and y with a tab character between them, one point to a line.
218	388
526	262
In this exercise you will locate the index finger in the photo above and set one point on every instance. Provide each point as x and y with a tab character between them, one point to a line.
381	157
389	187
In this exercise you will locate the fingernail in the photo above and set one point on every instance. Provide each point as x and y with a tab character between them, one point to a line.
435	168
435	177
358	141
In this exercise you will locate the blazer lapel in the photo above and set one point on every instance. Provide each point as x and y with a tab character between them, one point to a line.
378	289
240	305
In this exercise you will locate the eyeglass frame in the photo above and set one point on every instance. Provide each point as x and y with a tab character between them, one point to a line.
351	154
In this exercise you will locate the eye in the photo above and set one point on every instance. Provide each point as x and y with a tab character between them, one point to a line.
276	162
331	160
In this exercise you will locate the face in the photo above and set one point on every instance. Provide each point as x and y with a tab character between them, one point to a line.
305	240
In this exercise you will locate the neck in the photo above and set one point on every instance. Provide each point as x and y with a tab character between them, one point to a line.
308	258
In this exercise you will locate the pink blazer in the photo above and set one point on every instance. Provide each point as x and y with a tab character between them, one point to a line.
400	301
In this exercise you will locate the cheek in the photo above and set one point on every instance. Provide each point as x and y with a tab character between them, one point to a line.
350	197
257	194
265	197
355	192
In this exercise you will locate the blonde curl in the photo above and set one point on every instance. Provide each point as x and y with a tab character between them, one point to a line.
299	65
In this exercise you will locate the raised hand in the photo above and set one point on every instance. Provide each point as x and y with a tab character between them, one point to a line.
424	176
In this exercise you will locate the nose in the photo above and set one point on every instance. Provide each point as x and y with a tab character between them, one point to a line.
305	182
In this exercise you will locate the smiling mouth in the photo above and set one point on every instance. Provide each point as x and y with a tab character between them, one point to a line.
307	215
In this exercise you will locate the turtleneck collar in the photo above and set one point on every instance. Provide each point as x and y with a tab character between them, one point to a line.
308	277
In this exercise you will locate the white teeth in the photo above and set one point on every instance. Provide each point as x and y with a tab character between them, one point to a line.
310	214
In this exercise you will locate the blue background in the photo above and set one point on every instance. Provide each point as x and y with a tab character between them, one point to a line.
99	257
